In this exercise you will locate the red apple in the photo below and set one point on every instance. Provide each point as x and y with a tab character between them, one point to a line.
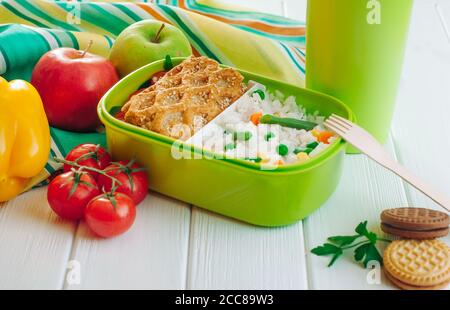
71	83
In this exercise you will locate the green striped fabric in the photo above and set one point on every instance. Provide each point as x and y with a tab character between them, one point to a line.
265	44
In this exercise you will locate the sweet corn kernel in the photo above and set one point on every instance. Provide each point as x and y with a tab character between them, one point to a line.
264	157
302	156
315	132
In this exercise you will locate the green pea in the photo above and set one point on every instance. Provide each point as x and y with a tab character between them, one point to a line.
282	149
312	145
242	136
269	136
306	150
230	146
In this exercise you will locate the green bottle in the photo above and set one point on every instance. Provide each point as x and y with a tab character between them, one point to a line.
355	52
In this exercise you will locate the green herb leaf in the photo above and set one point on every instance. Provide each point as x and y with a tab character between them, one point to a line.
326	249
334	258
372	254
360	252
365	251
372	237
361	229
343	240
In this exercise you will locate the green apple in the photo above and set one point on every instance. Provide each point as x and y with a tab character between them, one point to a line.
145	42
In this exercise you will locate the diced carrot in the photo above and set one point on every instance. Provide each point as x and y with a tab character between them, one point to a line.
280	162
324	136
255	117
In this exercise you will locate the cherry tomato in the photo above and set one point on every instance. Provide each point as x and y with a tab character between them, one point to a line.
120	115
133	180
69	193
110	214
89	155
136	92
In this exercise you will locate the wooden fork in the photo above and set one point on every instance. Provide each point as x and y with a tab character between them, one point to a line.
367	144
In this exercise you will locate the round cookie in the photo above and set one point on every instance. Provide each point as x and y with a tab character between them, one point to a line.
405	286
418	263
415	218
415	234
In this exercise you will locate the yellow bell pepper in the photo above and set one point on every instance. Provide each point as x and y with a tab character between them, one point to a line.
24	137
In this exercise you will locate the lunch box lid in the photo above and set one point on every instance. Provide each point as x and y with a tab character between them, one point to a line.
120	92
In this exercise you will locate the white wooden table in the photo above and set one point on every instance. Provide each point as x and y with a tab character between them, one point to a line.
176	246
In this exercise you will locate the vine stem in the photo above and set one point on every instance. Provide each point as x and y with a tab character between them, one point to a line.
74	164
354	245
363	242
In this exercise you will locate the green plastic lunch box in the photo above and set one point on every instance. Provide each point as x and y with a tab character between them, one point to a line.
236	188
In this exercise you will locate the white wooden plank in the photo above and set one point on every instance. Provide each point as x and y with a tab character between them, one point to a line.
364	191
227	254
442	8
151	255
421	128
34	243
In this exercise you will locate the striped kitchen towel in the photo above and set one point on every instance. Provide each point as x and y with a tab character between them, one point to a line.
262	43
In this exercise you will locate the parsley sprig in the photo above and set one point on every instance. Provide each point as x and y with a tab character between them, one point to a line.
365	250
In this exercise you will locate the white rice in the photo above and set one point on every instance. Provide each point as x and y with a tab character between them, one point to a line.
237	119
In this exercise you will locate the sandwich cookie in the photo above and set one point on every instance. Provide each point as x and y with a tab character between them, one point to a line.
415	223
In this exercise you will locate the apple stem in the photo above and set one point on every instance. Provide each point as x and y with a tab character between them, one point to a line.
158	34
87	48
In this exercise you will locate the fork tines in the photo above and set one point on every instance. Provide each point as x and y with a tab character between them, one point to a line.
338	124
